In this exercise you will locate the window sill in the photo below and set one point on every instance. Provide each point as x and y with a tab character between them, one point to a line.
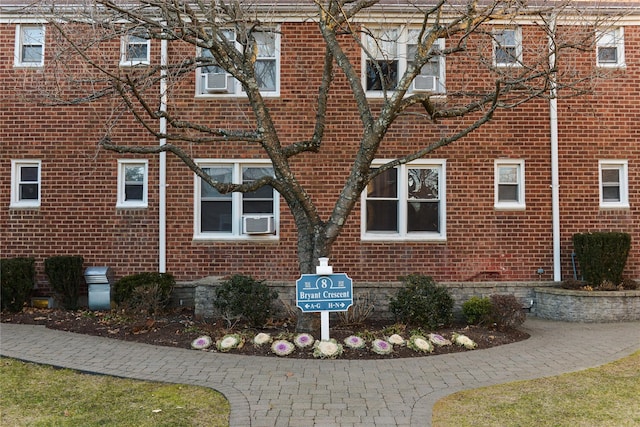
506	65
24	206
612	206
131	64
621	66
510	207
28	66
253	238
132	206
380	95
382	238
233	95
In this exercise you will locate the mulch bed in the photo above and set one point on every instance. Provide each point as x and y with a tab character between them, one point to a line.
178	328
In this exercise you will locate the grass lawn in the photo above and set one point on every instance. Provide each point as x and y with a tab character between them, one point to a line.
34	395
608	395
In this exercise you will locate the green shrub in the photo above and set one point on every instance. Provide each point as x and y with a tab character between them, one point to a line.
65	276
421	302
17	280
602	256
243	297
506	311
477	310
149	292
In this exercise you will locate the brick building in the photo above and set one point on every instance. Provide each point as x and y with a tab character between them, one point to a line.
504	203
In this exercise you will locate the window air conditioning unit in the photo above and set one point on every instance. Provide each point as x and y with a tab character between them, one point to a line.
257	224
216	82
424	83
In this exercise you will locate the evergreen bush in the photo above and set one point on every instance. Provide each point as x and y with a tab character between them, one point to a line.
149	291
243	297
17	280
65	277
477	310
422	302
602	256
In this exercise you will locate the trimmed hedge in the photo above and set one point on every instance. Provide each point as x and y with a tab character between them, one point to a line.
243	297
422	303
17	280
602	256
144	291
65	277
477	310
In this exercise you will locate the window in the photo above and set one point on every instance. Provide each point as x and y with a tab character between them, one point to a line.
134	50
507	47
509	184
406	202
213	80
25	183
391	51
431	77
382	64
235	215
132	183
614	191
610	48
29	49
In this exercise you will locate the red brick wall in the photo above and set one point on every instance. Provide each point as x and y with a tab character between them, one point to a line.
78	214
602	125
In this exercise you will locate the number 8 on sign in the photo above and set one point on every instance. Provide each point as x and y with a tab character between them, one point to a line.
325	282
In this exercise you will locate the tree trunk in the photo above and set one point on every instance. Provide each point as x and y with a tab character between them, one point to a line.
311	246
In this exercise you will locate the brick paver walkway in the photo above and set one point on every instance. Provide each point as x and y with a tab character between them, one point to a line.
269	391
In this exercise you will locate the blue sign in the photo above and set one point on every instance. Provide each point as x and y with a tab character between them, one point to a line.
324	292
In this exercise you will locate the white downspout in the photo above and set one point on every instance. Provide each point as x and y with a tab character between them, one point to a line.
162	190
555	179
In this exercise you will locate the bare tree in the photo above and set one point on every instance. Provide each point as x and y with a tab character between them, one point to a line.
345	26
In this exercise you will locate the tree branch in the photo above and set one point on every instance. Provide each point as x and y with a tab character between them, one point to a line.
222	187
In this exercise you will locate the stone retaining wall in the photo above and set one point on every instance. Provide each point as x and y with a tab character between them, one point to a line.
378	294
587	306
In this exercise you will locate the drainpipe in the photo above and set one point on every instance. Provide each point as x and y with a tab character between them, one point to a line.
162	190
555	179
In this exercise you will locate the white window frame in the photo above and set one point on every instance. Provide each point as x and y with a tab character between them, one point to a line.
519	204
122	183
21	42
235	86
125	42
607	39
402	234
16	183
236	203
398	50
622	166
497	33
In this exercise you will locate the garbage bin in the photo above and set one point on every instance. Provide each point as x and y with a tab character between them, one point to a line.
99	281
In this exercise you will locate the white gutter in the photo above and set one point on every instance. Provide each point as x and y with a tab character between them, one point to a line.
162	190
555	179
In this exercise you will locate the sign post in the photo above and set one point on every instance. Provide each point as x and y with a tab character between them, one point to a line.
324	292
